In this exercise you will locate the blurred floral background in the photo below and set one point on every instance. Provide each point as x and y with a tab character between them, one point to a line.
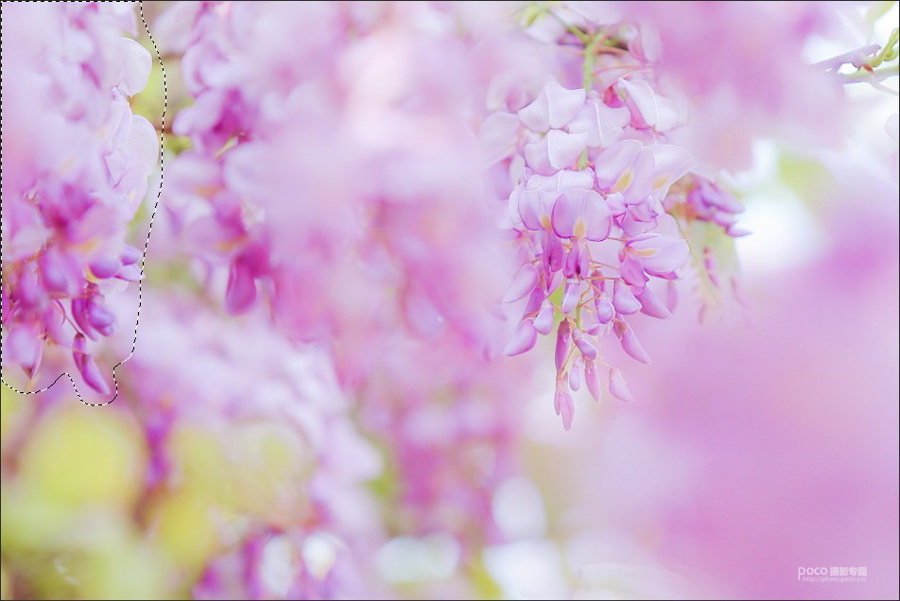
363	217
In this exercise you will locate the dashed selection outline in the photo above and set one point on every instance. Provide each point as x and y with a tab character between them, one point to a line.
146	241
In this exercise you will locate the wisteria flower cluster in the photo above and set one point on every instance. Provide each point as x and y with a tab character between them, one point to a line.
76	162
592	170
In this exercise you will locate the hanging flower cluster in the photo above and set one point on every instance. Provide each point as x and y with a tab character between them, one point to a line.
75	168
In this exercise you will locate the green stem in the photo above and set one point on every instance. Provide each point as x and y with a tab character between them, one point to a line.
862	75
590	54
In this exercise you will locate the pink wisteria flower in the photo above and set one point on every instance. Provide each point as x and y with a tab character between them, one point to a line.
589	170
76	162
340	187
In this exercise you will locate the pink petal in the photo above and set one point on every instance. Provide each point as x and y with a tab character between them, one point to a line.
136	62
659	253
554	106
566	409
592	379
129	273
672	163
575	378
59	272
601	123
632	271
566	213
671	296
641	100
605	310
651	304
571	295
525	281
555	253
557	150
562	343
624	300
535	208
616	203
105	267
563	148
79	314
523	339
91	375
561	181
241	290
86	366
587	348
99	316
572	264
632	346
497	137
23	346
615	161
641	173
597	217
617	386
537	157
543	323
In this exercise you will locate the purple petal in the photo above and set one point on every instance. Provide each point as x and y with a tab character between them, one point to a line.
592	379
671	296
605	310
633	347
561	181
554	106
535	208
130	255
566	214
672	163
624	300
23	346
535	301
571	295
659	253
566	409
537	157
525	281
79	314
555	253
641	100
543	323
584	263
614	163
638	181
105	267
587	348
241	290
617	386
632	271
89	371
58	272
597	217
575	378
651	304
30	292
523	339
563	148
97	314
497	137
616	203
129	273
571	266
603	124
562	343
